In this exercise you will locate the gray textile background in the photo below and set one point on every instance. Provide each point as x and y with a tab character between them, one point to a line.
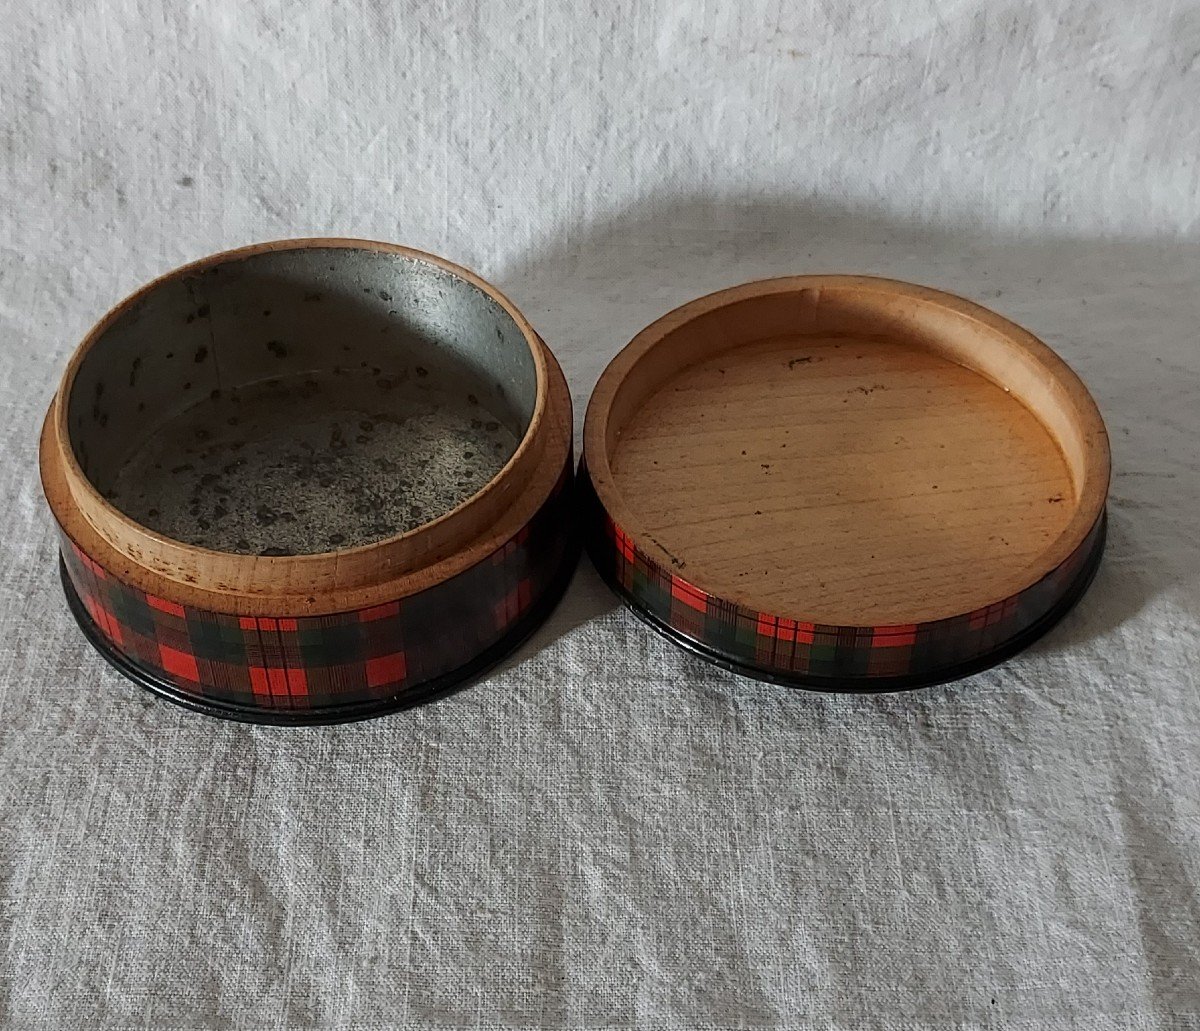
607	833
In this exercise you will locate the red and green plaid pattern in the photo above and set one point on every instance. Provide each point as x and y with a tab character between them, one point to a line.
275	665
781	648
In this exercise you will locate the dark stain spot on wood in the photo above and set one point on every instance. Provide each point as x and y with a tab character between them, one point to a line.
677	562
201	354
799	361
202	311
133	371
422	371
472	399
277	348
312	296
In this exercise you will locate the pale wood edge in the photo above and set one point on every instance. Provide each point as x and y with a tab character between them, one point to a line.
345	570
556	431
1097	463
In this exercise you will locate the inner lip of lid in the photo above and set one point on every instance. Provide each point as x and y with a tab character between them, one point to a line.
826	310
301	401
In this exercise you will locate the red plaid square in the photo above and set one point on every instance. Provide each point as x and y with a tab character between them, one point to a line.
787	630
173	608
623	542
894	636
385	611
691	596
179	664
387	669
278	682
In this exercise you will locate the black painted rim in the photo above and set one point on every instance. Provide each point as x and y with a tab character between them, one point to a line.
431	690
868	685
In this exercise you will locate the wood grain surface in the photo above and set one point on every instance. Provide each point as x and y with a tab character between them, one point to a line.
900	456
843	476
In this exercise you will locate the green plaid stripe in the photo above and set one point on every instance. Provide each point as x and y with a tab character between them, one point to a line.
327	661
782	647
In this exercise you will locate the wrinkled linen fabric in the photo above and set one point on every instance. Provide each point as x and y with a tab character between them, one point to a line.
606	832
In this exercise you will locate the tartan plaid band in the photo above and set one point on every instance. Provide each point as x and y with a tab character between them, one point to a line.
792	650
273	665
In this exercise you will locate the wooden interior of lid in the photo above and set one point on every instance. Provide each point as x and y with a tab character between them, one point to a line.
847	450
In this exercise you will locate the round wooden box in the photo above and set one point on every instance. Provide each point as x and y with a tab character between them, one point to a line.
311	481
844	483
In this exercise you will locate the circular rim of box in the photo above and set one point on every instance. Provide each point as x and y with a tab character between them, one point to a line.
794	647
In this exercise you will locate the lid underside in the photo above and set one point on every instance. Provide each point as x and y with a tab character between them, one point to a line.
857	481
846	451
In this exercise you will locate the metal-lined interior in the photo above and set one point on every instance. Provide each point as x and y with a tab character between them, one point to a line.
300	401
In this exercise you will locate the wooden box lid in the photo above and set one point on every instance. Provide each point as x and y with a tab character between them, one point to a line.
844	483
